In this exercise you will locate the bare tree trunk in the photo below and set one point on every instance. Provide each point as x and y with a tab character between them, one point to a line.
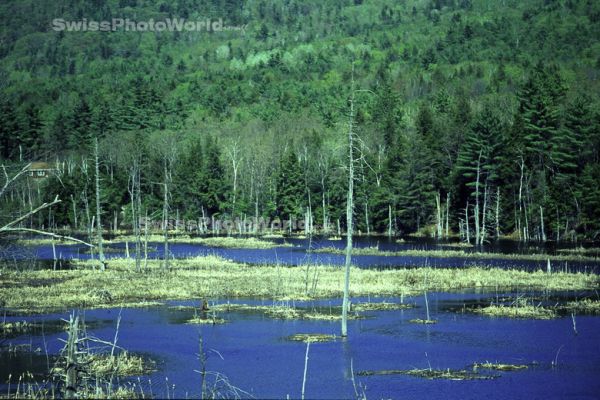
484	214
467	229
305	368
325	227
542	232
323	205
557	226
389	220
146	241
349	210
138	234
447	214
256	214
72	364
476	211
166	216
438	217
367	217
526	227
498	212
135	211
74	212
522	165
98	209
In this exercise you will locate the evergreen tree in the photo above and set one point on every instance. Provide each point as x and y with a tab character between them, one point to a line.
79	124
387	113
290	187
9	128
214	189
30	132
539	101
416	190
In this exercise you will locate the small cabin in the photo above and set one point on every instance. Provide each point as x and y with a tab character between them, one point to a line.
39	169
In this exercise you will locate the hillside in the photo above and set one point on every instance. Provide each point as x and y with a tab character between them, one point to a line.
487	109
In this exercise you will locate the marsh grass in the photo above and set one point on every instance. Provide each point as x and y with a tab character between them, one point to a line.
312	338
517	311
18	348
381	306
582	250
287	312
374	251
585	306
16	328
26	387
525	308
499	367
423	321
448	374
273	236
208	320
212	277
217	241
457	245
123	364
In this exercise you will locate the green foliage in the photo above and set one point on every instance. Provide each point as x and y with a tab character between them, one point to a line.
441	83
290	187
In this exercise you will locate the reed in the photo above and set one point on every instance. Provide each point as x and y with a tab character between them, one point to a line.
375	251
214	277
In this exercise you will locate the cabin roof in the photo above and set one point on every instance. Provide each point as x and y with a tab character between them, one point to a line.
39	165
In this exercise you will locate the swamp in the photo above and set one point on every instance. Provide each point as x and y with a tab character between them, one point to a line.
300	199
195	330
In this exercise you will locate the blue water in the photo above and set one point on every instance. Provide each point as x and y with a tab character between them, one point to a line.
251	351
298	254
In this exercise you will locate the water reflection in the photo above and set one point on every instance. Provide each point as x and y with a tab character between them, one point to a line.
299	255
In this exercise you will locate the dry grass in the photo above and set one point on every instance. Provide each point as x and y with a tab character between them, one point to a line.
285	312
374	251
219	241
273	236
16	328
423	321
209	320
457	244
311	337
586	306
582	250
381	306
123	364
213	277
499	367
517	311
104	365
448	374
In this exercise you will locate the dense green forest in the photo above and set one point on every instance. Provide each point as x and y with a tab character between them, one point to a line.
469	113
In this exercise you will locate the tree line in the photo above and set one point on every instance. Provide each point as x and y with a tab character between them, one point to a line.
472	118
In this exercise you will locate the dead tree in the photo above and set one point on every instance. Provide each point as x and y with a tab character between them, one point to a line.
14	226
98	209
349	210
136	206
233	153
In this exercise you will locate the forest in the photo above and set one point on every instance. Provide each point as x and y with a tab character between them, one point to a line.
313	199
472	117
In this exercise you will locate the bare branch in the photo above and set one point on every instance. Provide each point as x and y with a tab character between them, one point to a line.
30	213
54	235
9	180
